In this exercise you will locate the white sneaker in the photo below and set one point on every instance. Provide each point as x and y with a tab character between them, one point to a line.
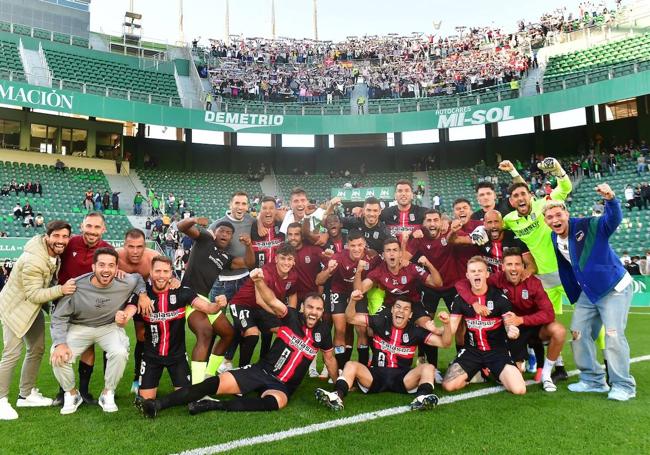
313	369
33	400
548	385
6	411
438	377
71	403
107	401
226	365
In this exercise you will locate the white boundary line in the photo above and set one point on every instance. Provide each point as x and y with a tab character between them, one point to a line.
359	418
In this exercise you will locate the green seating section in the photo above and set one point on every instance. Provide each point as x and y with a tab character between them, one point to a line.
63	194
98	73
207	194
450	184
10	61
619	56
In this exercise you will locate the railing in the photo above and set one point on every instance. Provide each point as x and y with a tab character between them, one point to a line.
39	33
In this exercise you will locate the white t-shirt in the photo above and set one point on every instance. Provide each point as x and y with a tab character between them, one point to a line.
563	246
629	194
314	219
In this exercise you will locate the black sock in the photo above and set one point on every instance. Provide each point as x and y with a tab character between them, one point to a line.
431	354
267	403
230	352
189	394
341	386
348	354
85	371
105	357
425	389
246	349
364	354
339	353
538	348
137	359
265	344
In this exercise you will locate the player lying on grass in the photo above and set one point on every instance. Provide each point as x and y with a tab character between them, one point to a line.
394	343
486	343
276	376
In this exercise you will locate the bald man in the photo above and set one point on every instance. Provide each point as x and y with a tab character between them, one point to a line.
498	239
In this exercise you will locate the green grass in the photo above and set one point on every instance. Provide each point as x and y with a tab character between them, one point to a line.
499	423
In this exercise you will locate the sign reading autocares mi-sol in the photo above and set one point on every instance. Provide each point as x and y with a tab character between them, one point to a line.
22	94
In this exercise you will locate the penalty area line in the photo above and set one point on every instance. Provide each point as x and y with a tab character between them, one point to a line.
353	420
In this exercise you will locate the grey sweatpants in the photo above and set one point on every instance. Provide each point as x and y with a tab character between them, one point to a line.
111	338
34	339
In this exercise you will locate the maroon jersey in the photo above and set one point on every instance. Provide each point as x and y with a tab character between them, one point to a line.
443	256
466	252
264	247
281	287
77	258
406	284
342	281
308	260
398	221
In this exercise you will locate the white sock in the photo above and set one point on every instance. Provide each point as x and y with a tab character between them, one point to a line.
559	362
312	365
548	368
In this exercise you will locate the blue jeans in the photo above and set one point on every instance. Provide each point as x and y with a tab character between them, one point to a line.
227	288
588	318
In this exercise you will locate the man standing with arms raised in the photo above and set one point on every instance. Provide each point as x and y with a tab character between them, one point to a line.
21	302
600	287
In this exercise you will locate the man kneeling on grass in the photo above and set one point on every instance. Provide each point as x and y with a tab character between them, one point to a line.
299	338
486	344
394	343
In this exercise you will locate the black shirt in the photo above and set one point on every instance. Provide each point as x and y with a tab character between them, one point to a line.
484	333
164	335
375	235
503	209
264	247
393	347
492	251
295	347
205	264
398	221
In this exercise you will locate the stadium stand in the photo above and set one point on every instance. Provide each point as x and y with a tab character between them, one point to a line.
206	194
63	194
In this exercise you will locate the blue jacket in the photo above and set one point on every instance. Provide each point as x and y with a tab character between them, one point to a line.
595	269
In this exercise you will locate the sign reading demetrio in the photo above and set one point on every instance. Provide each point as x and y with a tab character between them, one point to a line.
237	121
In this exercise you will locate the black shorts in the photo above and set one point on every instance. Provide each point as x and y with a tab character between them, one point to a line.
254	378
337	302
245	317
386	380
431	299
151	370
416	307
473	360
518	347
137	317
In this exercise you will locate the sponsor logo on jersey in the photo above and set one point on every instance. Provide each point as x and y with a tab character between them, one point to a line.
165	316
385	346
481	323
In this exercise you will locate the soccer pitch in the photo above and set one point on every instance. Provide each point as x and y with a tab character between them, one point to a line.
480	419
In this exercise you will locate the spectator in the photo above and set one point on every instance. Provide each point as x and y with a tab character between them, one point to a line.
171	203
137	203
640	164
27	210
106	200
18	211
39	221
115	200
633	266
638	198
629	197
88	200
97	199
38	189
436	201
611	163
28	221
155	205
59	166
645	194
5	190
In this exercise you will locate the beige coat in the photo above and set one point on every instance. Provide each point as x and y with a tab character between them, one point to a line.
28	287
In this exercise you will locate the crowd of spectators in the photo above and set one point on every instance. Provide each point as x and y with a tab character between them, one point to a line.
392	66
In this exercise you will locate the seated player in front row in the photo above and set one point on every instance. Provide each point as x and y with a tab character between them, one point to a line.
394	343
486	344
276	376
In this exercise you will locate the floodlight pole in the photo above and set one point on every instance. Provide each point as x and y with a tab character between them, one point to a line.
273	19
315	2
180	21
227	24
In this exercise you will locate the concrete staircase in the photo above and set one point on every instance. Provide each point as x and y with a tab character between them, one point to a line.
36	68
422	176
270	185
127	186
